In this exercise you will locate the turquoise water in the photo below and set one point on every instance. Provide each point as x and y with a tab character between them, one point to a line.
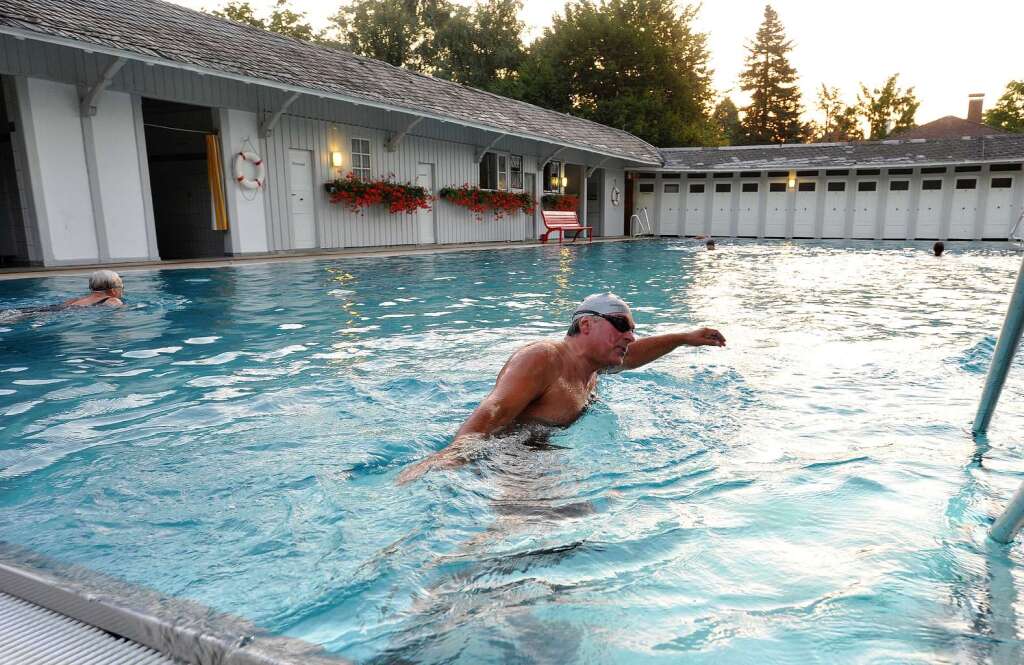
807	494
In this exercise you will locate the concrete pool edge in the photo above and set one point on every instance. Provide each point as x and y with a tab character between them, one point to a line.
182	629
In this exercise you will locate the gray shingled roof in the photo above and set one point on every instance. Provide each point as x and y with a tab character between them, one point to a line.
1008	147
174	34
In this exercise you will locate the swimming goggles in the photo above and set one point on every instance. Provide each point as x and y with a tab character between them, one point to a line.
620	323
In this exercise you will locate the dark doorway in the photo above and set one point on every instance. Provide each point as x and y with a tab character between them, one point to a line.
627	207
15	238
182	207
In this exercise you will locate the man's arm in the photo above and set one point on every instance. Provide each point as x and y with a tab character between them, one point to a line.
525	377
646	349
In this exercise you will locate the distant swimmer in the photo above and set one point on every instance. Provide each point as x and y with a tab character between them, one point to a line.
710	244
551	382
106	288
939	247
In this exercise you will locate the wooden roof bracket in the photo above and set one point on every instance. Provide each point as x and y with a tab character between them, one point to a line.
87	107
395	140
591	169
483	151
267	126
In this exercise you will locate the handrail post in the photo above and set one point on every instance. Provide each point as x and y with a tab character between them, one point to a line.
1006	347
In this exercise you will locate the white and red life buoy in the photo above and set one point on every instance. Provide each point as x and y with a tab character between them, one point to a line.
260	175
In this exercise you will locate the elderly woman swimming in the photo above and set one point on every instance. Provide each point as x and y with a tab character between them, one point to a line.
107	288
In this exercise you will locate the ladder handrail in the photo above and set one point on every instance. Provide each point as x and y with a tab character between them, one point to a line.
643	225
1016	226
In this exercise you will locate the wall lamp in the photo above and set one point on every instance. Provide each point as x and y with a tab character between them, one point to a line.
792	179
565	181
336	159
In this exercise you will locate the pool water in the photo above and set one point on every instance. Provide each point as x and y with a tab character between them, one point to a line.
807	494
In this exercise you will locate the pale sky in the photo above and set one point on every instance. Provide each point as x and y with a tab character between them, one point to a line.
945	49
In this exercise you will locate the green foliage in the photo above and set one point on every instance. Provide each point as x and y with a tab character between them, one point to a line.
283	20
775	109
888	109
637	65
841	122
387	30
726	118
1008	113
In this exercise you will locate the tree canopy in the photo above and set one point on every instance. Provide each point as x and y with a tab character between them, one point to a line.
1008	113
840	122
773	115
726	118
638	65
282	20
887	109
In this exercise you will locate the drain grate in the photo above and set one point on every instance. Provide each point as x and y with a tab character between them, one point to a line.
33	635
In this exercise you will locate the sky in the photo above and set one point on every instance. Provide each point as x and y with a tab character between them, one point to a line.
945	49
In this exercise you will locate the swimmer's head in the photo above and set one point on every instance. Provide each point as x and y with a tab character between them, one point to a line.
604	305
105	280
939	247
710	244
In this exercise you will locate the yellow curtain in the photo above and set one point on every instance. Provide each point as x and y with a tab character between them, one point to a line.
215	173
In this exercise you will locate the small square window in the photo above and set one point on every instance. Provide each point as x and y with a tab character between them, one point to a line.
670	176
750	187
723	187
901	171
931	170
697	188
1004	167
967	169
899	185
869	172
966	183
1002	183
723	176
805	187
837	186
750	174
837	172
867	186
647	187
778	174
777	187
931	184
647	174
672	188
696	175
806	174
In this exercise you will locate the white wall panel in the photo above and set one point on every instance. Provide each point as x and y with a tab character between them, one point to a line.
248	225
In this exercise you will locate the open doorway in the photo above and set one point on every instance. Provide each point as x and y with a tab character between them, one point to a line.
595	202
16	239
179	181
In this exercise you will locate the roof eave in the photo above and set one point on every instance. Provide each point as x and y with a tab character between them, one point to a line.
351	99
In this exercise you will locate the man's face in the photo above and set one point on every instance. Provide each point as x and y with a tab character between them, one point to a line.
608	342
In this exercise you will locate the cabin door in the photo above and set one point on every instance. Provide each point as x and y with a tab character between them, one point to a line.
300	199
1000	213
425	218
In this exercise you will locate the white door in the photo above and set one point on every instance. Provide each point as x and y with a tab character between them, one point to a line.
645	199
671	210
834	215
897	210
806	215
300	199
425	218
530	182
965	208
775	217
693	212
929	208
865	209
721	209
749	210
1000	213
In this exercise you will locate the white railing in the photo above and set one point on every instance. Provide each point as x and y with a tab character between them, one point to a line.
642	227
1015	236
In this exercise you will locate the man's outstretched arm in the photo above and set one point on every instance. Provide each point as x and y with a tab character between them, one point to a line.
646	349
524	379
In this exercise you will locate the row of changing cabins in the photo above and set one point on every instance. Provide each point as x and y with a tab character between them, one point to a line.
963	202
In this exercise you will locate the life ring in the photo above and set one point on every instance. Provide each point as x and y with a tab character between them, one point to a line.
261	171
616	197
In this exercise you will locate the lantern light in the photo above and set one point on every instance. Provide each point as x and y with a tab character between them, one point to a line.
336	159
565	181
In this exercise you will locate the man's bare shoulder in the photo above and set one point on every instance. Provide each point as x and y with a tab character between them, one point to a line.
540	357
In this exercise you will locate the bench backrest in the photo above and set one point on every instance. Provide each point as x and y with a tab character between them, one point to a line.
557	218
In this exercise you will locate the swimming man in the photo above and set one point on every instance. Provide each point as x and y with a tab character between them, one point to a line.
551	382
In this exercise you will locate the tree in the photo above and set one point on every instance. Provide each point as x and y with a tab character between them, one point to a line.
887	109
283	20
637	65
387	30
840	120
774	112
726	118
1008	113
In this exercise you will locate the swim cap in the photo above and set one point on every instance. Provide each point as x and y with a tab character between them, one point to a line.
602	303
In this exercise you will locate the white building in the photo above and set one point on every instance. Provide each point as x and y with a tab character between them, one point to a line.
108	106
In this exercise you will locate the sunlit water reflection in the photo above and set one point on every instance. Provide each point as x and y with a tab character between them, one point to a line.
808	494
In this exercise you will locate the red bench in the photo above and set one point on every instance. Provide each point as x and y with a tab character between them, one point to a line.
562	221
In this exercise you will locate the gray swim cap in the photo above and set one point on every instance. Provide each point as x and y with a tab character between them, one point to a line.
602	303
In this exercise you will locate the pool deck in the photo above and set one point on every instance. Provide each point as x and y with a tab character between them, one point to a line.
280	257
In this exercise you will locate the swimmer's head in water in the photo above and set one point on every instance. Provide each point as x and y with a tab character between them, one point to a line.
939	247
104	280
605	305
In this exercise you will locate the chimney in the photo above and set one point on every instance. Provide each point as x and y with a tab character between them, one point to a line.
974	103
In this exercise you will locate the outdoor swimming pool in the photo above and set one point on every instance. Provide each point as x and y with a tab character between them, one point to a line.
807	494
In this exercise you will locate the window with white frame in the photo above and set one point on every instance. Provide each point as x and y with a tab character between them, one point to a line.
501	171
553	177
361	158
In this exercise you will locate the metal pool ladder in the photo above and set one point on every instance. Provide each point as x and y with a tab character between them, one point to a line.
1015	233
643	224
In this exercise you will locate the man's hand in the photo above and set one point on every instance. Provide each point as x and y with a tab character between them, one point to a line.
706	337
437	461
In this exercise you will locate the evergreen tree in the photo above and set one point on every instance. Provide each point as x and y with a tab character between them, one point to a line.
283	20
1008	113
774	112
387	30
840	120
638	65
726	118
888	109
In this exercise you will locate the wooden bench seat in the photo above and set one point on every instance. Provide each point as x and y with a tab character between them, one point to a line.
562	221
